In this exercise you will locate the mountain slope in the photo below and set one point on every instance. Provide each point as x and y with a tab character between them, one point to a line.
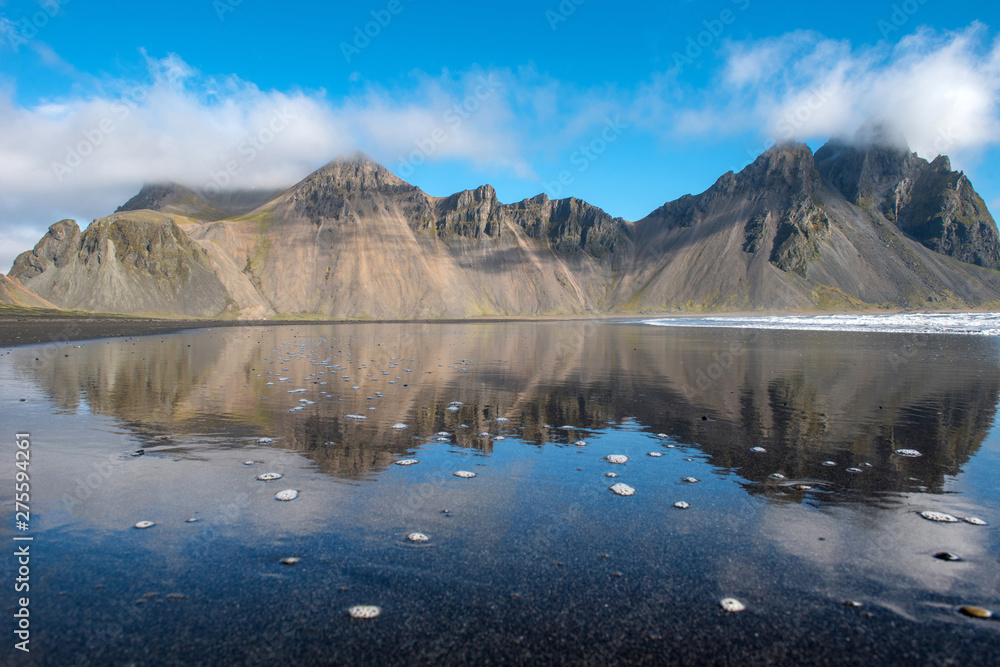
852	227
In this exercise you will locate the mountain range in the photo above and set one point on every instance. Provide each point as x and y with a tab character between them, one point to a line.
862	223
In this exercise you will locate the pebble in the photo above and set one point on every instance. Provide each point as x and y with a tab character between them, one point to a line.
269	476
975	612
829	464
853	470
145	524
287	494
464	474
681	505
364	611
939	516
249	463
417	537
908	453
757	450
776	475
407	462
731	605
622	489
690	480
802	487
139	452
192	519
616	458
947	555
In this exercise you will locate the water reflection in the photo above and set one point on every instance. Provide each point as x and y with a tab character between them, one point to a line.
804	397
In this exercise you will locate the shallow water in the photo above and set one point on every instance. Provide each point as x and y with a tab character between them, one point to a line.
534	559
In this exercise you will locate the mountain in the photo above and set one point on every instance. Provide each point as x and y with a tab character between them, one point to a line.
12	293
862	223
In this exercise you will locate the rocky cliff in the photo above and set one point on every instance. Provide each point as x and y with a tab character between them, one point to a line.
858	225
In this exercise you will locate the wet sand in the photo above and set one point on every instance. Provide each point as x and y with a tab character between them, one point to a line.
534	560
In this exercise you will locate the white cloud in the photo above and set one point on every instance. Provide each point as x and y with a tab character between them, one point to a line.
942	91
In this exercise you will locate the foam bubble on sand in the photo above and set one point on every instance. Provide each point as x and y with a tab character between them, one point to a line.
287	494
622	489
938	516
145	524
407	462
977	324
269	476
616	458
464	474
364	611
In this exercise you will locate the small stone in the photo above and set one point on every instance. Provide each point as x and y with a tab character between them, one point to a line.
407	462
249	463
269	476
947	555
417	537
731	605
464	474
364	611
852	604
939	516
622	489
852	470
829	464
757	450
802	487
690	480
908	453
975	612
287	494
776	475
192	519
138	452
616	458
145	524
681	505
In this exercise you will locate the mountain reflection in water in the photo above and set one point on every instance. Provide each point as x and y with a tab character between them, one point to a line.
533	559
804	397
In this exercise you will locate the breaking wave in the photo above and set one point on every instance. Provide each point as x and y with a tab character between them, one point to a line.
974	324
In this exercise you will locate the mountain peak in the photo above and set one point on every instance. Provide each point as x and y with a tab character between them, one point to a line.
355	171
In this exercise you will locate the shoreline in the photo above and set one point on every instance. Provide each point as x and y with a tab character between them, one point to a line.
26	328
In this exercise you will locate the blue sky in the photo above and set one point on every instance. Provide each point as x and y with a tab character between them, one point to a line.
624	104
